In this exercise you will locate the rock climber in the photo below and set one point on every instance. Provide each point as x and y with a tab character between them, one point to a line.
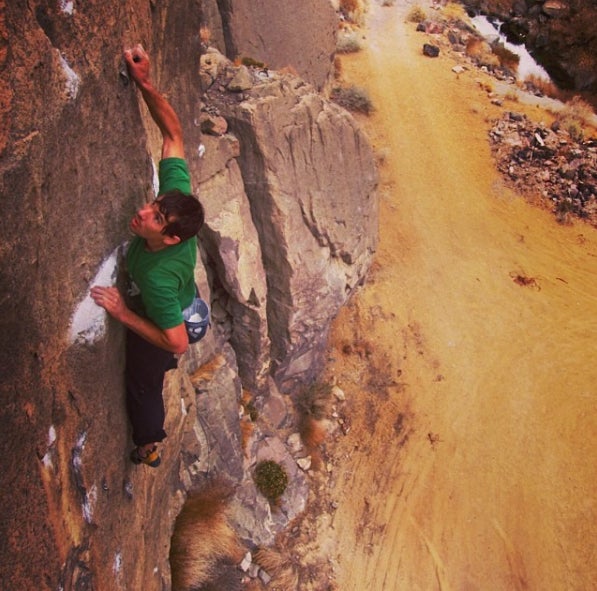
160	262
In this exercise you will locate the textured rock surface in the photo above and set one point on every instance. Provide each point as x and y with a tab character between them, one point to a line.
74	164
282	34
310	179
78	152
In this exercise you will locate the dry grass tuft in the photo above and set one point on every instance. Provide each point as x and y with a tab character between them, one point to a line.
354	10
348	41
348	6
337	68
202	538
312	432
545	87
486	85
314	401
480	51
204	35
508	59
313	405
453	11
250	415
246	432
352	98
576	117
416	14
279	567
228	578
511	96
208	370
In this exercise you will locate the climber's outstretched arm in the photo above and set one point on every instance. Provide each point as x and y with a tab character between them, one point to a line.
162	112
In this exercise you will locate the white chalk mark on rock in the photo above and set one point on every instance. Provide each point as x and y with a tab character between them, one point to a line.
88	323
72	80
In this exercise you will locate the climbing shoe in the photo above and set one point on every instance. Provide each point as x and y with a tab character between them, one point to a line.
151	458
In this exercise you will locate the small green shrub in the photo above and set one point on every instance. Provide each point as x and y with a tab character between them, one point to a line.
252	63
353	98
271	479
314	401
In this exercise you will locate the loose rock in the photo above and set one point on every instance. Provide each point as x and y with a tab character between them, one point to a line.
538	160
430	50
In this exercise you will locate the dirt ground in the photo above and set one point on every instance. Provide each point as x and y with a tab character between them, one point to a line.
467	459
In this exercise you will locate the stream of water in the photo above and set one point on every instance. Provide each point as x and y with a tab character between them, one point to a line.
527	66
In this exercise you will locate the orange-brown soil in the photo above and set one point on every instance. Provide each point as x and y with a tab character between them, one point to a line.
467	459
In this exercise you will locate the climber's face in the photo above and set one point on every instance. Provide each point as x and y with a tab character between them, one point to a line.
149	223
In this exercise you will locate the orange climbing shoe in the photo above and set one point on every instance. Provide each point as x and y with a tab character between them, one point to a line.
151	458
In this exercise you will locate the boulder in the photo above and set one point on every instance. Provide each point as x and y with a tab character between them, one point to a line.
310	178
430	50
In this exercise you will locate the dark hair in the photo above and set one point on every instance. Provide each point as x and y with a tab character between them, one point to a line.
184	214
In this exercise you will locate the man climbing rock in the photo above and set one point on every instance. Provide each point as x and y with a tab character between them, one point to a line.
160	262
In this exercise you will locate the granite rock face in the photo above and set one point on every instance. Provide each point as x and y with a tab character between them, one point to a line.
310	180
299	36
289	188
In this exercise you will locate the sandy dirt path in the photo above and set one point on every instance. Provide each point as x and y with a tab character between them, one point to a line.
469	461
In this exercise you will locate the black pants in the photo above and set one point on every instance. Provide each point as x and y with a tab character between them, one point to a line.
146	365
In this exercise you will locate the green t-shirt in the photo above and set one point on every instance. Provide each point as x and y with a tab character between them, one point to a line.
163	282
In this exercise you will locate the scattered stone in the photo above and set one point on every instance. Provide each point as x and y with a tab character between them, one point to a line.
294	442
430	50
246	562
211	64
265	578
253	571
338	394
241	81
304	463
548	162
213	124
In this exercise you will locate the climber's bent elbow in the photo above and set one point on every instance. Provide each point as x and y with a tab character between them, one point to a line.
176	339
